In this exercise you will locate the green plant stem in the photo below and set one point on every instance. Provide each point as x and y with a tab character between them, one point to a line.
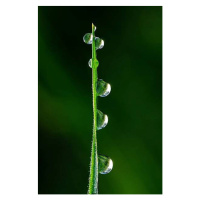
93	178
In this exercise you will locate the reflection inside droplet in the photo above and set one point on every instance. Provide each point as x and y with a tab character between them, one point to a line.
96	63
87	38
103	88
105	164
90	63
99	43
102	120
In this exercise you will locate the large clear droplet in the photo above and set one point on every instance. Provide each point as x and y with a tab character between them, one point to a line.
103	88
105	164
99	43
87	38
96	63
102	120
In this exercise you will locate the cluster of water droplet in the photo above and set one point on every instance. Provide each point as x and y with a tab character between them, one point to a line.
88	38
105	164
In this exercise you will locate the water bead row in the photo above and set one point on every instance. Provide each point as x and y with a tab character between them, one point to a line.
88	37
105	163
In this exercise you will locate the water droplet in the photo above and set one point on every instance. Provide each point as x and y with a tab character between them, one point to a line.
103	88
96	63
102	120
87	38
105	164
99	43
94	27
90	63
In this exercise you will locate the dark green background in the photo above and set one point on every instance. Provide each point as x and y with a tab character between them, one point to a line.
131	61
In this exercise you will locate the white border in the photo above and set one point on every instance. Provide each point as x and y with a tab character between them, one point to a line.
18	105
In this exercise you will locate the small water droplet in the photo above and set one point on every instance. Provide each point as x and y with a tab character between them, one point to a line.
105	164
102	120
90	63
99	43
103	88
87	38
96	63
94	27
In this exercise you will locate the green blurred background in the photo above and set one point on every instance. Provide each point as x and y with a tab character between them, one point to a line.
131	61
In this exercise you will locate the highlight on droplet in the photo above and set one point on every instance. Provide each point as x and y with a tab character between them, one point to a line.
96	63
103	88
99	43
102	120
105	164
87	38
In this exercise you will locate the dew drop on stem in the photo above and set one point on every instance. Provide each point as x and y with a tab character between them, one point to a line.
102	120
103	88
99	43
90	63
87	38
96	63
105	164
